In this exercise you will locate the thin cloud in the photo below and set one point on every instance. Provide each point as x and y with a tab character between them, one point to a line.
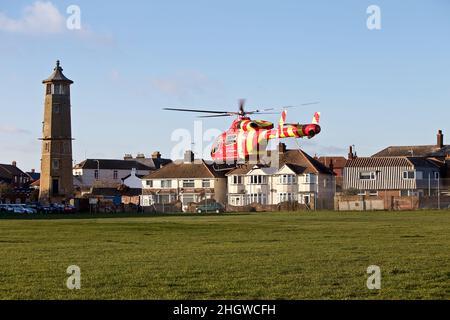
183	85
12	130
40	17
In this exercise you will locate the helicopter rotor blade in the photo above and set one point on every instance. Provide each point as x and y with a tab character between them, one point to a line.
197	110
217	115
301	105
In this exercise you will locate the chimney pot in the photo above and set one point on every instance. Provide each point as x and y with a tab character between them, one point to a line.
14	163
440	139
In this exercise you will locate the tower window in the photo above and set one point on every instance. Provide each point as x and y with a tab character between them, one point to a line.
55	164
56	109
48	89
115	174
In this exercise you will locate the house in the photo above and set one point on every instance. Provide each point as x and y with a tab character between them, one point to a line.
335	163
107	171
392	176
438	150
190	180
133	180
297	177
12	176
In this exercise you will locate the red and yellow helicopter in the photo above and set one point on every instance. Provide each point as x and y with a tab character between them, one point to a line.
247	137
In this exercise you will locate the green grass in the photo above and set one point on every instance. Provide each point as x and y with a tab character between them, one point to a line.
322	255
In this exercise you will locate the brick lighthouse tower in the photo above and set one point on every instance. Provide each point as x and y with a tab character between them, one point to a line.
56	184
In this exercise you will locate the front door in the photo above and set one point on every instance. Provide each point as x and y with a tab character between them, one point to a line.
55	187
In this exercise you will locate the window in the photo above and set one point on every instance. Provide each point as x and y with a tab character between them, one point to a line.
57	89
206	183
230	139
258	179
56	108
408	175
237	179
285	197
48	89
55	164
436	175
115	174
367	175
149	183
166	183
66	147
361	192
287	179
373	193
188	183
309	178
47	147
188	198
257	198
96	174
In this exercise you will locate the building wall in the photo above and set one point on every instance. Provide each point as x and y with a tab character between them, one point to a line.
56	147
388	178
105	175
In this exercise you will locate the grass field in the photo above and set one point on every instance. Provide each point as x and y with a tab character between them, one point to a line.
315	255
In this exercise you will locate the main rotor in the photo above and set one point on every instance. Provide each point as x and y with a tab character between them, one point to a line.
240	113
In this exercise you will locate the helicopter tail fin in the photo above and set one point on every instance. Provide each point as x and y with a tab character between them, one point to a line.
316	118
282	119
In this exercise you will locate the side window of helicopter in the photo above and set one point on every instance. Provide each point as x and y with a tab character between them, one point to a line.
231	139
216	146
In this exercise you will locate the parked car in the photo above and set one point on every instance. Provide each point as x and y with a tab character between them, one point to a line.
210	207
27	208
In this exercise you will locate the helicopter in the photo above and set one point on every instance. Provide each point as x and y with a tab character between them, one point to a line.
247	137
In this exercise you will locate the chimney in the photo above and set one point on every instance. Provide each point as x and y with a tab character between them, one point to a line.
156	155
140	156
350	153
331	166
281	148
128	157
188	156
14	163
440	139
33	171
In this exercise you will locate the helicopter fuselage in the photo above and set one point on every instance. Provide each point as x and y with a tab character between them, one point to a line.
248	137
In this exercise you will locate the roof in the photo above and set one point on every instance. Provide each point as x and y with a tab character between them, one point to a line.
338	162
7	171
377	162
34	175
112	164
414	151
140	176
57	75
192	170
297	160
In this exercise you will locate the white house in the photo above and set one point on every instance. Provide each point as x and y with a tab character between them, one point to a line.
297	178
107	171
133	180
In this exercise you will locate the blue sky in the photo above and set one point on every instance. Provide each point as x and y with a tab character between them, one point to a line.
131	59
